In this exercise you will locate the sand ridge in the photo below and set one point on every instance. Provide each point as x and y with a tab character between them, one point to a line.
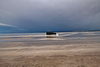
51	56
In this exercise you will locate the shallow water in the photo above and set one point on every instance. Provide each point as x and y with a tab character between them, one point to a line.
63	36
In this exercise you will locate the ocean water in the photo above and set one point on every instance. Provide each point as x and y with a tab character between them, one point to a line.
62	36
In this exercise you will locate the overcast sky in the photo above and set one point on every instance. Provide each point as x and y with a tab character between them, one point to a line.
44	15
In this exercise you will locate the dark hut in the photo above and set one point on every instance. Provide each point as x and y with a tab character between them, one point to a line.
50	33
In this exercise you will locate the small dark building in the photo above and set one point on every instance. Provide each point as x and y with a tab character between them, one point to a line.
50	33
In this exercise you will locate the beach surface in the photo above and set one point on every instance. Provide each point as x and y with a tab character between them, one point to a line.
69	49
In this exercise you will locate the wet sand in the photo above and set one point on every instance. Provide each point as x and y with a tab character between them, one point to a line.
53	52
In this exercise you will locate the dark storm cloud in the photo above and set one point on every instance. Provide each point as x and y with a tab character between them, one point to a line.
56	15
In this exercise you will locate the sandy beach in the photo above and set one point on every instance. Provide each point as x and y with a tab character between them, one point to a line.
64	51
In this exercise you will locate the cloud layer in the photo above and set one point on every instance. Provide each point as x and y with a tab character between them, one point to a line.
56	15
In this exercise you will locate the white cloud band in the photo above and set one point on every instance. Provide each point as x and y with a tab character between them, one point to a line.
2	24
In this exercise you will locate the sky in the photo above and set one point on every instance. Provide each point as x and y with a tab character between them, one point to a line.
44	15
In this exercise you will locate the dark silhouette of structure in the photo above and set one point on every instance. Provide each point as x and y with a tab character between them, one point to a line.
50	33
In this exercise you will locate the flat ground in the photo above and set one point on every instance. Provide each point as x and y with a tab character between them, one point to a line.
51	53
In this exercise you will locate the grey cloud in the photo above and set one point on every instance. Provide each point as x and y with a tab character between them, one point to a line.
57	15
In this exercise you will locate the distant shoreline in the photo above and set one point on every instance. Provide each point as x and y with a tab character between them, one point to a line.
45	31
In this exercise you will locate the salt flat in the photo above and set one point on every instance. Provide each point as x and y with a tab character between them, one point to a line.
69	49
